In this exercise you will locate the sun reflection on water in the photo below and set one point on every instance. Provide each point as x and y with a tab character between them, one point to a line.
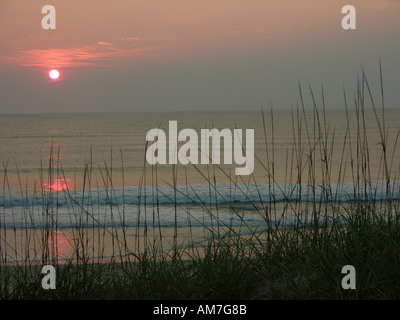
60	244
58	184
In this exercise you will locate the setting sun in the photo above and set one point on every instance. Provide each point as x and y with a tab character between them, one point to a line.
54	74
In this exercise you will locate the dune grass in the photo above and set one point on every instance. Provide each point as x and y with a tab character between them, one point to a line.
298	254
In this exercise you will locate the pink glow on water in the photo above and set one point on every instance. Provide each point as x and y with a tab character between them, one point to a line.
58	184
60	245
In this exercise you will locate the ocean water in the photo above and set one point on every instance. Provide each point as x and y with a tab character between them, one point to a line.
99	159
66	171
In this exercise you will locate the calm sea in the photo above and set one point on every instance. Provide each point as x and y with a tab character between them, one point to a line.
98	161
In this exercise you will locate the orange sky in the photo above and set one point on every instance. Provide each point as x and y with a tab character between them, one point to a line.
94	32
133	35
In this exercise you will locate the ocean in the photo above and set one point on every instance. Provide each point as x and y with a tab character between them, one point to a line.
66	172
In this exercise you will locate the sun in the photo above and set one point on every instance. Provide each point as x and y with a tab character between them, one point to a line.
54	74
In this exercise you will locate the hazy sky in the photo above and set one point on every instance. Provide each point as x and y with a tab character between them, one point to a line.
175	55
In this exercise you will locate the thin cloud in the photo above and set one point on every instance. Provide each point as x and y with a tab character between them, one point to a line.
131	39
77	56
102	43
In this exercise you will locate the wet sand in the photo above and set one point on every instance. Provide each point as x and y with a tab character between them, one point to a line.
102	245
